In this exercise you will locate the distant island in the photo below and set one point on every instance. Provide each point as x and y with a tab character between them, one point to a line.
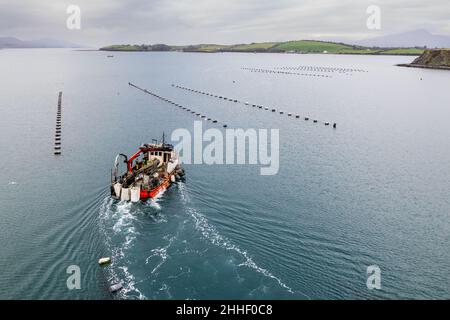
300	46
432	59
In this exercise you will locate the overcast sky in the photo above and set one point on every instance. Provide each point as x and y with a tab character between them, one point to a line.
210	21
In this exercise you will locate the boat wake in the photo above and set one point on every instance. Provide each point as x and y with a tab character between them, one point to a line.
116	224
160	253
119	222
210	232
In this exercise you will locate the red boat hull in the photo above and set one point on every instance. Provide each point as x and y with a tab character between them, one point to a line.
149	194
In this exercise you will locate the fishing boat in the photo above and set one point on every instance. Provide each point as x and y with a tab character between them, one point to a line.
150	171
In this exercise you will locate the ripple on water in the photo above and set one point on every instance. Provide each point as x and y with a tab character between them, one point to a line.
209	232
161	253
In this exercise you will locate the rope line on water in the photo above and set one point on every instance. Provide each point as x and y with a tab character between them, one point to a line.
289	114
181	107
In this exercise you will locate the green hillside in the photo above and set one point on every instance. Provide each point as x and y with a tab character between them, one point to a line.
121	47
206	48
313	46
253	46
412	51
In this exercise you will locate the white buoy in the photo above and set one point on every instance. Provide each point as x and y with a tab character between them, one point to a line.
103	261
116	287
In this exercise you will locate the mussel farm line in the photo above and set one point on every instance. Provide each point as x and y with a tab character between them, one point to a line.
289	114
286	72
321	69
57	147
181	107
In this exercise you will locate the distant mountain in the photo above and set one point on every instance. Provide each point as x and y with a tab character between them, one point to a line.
417	38
10	42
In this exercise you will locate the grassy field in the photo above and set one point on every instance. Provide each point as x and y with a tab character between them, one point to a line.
122	47
360	51
211	47
415	51
253	46
312	46
263	46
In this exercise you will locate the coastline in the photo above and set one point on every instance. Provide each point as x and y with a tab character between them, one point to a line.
264	52
423	66
431	59
292	47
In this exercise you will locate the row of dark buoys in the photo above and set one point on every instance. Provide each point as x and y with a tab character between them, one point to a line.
310	69
322	69
285	72
247	104
57	151
181	107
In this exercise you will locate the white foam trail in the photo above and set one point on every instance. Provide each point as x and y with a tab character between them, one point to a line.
154	204
12	183
154	201
121	219
161	253
166	288
210	233
130	284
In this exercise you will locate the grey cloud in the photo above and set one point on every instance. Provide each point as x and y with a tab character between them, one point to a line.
206	21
